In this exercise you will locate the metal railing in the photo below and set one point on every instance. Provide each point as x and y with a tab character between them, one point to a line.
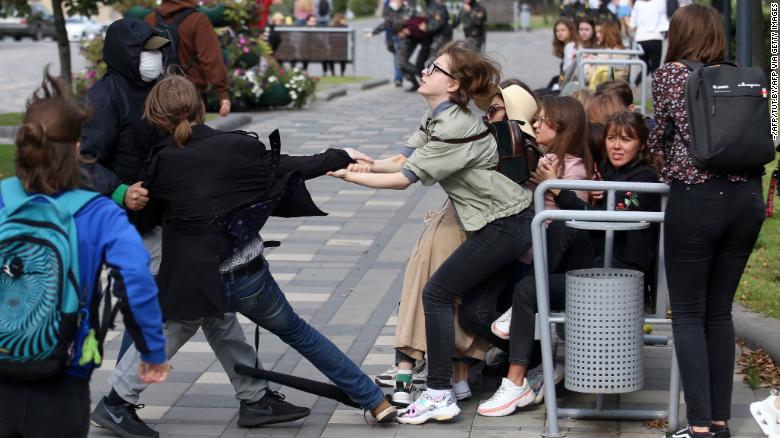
580	65
541	271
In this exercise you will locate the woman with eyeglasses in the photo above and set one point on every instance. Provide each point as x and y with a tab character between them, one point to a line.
454	148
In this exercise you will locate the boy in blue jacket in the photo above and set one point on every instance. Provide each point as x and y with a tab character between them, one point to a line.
47	164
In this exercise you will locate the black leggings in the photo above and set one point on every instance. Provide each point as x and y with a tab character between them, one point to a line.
652	57
470	273
710	232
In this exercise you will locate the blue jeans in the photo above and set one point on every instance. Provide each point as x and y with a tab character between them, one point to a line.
259	298
396	67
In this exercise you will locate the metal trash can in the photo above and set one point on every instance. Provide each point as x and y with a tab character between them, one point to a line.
604	337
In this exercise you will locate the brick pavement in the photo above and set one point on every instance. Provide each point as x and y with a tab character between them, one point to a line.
343	274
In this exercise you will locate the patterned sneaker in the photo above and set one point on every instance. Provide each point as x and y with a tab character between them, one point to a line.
688	433
404	394
500	327
387	378
507	398
426	408
420	375
535	377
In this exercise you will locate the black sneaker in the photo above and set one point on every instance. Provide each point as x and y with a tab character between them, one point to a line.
688	433
720	432
270	409
122	420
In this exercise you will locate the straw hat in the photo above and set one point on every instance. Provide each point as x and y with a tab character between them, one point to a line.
520	105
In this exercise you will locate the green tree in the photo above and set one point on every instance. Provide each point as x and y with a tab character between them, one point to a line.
60	8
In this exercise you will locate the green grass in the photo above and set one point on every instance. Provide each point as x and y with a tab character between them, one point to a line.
328	81
759	289
6	160
10	118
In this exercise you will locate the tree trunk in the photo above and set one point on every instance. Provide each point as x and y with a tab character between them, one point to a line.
758	32
63	45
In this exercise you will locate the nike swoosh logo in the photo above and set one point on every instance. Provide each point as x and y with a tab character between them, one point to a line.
116	419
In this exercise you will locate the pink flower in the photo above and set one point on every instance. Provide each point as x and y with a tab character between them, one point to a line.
628	194
242	40
246	49
91	74
620	206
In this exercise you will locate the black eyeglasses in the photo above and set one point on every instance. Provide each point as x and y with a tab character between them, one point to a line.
430	67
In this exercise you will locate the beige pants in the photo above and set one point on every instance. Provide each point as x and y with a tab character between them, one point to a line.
443	234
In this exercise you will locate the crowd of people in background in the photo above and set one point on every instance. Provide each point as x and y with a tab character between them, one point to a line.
198	198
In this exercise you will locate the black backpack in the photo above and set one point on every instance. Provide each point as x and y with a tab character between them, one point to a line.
323	8
728	116
170	31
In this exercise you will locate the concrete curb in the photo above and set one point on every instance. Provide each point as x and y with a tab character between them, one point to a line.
757	331
8	131
231	122
373	84
331	94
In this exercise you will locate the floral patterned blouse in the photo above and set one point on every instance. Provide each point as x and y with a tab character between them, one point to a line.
669	103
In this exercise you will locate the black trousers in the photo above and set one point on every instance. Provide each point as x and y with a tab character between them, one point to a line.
567	249
57	407
652	57
711	229
470	274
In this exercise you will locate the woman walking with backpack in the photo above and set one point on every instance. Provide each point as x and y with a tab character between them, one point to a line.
711	225
47	395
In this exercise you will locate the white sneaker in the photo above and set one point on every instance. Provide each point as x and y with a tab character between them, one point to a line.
766	415
387	378
461	390
500	327
507	398
426	408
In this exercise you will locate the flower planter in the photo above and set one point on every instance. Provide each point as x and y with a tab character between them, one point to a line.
138	12
274	95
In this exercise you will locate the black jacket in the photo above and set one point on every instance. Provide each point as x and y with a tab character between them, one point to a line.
201	183
116	139
633	249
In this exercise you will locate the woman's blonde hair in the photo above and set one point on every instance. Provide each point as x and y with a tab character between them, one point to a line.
602	106
173	105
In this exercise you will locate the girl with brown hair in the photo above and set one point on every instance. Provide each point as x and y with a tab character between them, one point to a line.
454	148
628	159
565	41
712	223
49	177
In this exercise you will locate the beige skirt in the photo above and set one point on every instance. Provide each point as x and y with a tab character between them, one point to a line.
443	234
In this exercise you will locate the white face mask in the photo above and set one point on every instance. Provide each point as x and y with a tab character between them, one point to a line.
151	65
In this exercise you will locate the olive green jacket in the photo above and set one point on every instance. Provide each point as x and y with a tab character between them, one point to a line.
480	195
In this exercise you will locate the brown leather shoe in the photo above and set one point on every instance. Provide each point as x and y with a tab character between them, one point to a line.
384	413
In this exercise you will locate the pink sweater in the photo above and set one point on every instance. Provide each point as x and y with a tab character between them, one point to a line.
573	168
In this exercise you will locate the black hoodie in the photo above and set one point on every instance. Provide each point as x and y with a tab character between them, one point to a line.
115	138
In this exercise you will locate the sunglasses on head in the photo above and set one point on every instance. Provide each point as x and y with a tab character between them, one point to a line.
430	67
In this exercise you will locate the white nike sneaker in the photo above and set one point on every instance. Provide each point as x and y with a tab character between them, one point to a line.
507	398
426	408
500	327
461	390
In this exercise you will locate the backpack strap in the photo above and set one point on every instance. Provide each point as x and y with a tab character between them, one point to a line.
13	194
691	65
464	140
74	200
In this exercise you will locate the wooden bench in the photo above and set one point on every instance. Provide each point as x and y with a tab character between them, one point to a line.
301	43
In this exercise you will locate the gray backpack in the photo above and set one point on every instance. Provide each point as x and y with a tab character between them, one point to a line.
728	116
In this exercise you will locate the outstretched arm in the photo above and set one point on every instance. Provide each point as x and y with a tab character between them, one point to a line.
385	165
395	180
